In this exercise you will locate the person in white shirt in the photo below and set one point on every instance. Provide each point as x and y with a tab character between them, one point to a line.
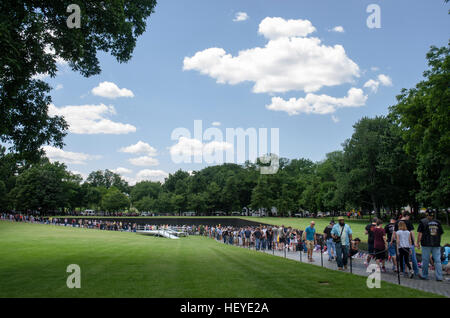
403	238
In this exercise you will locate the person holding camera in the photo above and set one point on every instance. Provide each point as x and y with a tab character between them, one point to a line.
342	235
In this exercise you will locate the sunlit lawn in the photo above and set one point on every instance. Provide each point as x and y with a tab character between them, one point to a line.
34	259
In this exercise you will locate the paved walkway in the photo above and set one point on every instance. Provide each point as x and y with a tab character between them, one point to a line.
358	268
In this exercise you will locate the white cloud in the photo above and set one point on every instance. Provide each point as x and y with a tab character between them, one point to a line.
240	16
385	80
151	175
121	170
56	154
193	147
144	161
216	123
318	104
140	148
289	61
111	90
274	28
374	68
334	118
338	29
90	119
372	84
58	87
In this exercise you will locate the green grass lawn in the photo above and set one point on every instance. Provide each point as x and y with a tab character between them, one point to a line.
120	264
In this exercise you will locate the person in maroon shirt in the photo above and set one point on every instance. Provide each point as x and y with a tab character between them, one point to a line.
380	244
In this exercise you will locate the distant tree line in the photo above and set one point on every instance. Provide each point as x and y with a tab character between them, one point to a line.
389	162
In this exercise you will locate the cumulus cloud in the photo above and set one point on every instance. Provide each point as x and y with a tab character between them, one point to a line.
372	85
121	170
111	90
68	157
338	29
240	16
318	104
144	161
334	118
289	61
385	80
274	28
194	147
91	119
140	148
151	175
382	79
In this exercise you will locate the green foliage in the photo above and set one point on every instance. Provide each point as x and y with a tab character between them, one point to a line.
423	115
114	200
43	187
107	179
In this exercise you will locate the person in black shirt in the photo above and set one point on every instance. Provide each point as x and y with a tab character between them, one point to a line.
429	236
269	235
390	229
370	240
257	234
331	247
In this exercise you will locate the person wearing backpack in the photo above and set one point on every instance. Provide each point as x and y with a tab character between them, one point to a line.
429	236
342	235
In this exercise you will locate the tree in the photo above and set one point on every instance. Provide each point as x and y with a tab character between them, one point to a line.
107	179
423	114
33	35
41	188
114	200
145	204
92	196
145	189
197	202
376	171
3	193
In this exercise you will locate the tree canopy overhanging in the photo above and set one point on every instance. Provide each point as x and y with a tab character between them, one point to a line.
34	35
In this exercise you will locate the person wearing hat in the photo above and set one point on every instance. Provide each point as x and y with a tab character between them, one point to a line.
429	235
331	247
342	235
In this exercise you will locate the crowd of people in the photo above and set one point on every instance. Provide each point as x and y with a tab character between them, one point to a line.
80	223
394	242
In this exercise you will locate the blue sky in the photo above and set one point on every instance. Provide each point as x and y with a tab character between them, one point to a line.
165	91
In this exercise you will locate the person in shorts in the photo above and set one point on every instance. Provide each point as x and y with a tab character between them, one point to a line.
310	238
380	245
392	252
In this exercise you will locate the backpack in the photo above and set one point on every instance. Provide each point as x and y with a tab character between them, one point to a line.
442	253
